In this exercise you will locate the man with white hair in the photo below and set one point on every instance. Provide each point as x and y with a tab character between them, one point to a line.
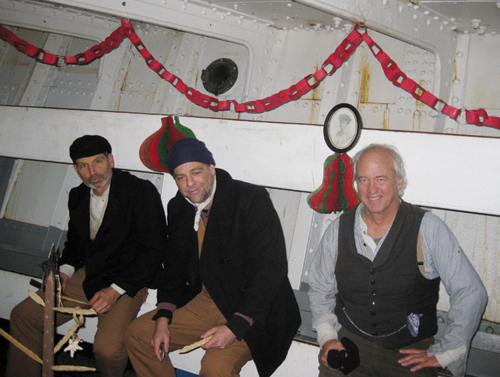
367	290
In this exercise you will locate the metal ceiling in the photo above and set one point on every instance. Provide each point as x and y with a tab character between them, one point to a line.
465	16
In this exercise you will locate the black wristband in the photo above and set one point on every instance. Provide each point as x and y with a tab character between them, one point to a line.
163	313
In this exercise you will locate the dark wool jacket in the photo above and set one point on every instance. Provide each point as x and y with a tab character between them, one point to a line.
131	242
243	266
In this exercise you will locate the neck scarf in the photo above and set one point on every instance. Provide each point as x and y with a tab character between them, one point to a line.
201	206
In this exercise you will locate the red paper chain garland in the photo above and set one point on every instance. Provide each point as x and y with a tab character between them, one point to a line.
334	61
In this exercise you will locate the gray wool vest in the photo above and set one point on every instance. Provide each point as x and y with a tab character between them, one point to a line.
376	298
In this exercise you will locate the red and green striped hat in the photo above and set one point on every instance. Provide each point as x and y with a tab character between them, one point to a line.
155	149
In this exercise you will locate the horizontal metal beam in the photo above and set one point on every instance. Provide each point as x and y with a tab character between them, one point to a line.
441	172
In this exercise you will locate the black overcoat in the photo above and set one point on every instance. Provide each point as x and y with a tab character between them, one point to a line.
243	266
131	242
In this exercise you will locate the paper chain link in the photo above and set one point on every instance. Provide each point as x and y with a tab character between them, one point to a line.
342	53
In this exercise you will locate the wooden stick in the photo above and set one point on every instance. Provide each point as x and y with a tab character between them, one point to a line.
48	327
66	337
72	368
35	297
73	299
26	350
75	311
194	345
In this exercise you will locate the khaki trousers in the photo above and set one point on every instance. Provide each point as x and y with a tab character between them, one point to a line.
26	325
376	361
188	324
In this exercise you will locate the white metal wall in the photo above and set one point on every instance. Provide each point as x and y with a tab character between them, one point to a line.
186	36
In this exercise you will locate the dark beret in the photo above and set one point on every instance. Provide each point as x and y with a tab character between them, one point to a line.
88	145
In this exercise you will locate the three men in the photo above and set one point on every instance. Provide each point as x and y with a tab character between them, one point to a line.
225	275
116	242
365	283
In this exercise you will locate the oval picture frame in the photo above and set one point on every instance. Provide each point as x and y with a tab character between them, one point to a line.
342	128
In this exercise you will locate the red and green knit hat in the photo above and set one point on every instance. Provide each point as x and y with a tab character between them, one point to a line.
155	149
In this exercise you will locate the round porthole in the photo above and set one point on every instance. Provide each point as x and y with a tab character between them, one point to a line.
219	76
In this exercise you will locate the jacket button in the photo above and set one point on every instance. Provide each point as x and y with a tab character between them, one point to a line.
372	271
373	282
224	261
105	277
374	325
373	314
108	259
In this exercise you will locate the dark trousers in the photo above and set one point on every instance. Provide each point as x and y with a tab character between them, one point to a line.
376	361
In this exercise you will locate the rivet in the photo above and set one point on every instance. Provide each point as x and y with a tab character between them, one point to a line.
475	23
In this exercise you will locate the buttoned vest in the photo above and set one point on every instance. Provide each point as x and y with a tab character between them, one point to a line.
376	299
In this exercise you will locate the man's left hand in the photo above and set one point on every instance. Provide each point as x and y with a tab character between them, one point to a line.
418	357
222	338
104	300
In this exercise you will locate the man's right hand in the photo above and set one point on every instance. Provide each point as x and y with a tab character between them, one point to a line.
161	336
64	281
332	344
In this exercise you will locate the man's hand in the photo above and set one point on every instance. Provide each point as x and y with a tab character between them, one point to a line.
222	338
418	357
104	300
64	281
332	344
161	336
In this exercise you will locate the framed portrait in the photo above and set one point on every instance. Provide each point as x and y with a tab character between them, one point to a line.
342	128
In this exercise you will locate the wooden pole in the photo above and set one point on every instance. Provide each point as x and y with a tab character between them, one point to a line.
48	327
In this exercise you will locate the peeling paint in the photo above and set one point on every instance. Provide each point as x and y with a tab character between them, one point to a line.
385	117
365	81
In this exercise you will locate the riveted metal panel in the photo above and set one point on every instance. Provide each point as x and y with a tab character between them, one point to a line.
16	68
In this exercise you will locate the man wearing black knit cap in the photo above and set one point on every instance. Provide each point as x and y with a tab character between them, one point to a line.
116	241
225	276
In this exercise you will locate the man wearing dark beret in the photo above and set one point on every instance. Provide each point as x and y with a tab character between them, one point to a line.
116	241
225	275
